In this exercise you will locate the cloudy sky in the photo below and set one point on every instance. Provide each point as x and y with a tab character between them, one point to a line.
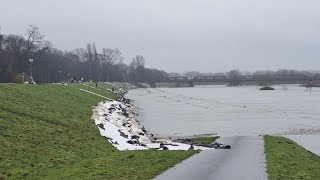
181	35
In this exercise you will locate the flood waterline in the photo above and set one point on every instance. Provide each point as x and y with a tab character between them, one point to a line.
228	111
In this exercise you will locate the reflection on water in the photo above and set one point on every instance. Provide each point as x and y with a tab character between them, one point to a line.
227	111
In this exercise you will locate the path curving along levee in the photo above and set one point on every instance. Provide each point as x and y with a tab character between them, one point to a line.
244	161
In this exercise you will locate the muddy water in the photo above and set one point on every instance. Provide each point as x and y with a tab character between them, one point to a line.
228	111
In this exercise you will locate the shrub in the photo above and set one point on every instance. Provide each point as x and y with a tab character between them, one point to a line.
267	88
19	78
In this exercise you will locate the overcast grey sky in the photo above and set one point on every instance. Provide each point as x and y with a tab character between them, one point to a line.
181	35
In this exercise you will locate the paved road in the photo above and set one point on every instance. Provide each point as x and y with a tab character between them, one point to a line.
244	161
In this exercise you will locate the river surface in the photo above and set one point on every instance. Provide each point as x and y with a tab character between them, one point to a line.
228	111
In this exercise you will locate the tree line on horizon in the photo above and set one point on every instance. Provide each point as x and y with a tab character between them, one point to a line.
236	73
50	64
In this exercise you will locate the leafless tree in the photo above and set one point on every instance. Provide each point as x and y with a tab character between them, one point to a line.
109	58
96	63
81	54
232	76
35	41
1	38
53	65
138	61
89	56
137	69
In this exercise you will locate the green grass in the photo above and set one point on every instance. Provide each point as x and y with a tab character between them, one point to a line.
104	85
46	133
102	90
205	140
287	160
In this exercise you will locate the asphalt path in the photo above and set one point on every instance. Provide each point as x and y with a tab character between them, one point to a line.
244	161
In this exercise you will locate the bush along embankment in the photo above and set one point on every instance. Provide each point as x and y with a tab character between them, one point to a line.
266	88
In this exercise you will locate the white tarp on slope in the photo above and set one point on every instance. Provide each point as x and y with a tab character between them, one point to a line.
116	121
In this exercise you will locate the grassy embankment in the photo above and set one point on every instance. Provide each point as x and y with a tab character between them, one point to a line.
204	140
287	160
46	133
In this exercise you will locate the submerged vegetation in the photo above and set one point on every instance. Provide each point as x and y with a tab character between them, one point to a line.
205	140
267	88
46	132
288	160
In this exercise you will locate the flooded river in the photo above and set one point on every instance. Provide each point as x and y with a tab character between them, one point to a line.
228	111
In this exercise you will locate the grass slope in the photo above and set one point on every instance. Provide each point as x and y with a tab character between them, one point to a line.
46	133
102	90
205	140
288	160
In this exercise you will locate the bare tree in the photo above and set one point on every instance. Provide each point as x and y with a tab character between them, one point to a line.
1	38
81	54
89	56
96	63
53	65
233	76
35	41
13	59
138	61
110	57
137	69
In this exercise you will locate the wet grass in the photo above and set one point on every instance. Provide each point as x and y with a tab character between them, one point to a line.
46	132
103	85
205	140
103	89
287	160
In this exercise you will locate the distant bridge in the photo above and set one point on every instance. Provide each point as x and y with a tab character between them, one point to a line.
239	79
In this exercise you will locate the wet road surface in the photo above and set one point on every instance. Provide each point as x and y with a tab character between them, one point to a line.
244	161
